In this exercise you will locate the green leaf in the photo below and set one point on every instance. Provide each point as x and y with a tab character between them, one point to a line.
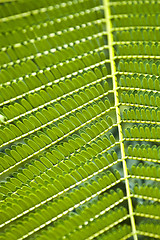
79	120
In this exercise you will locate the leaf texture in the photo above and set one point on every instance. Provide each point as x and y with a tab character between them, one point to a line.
79	120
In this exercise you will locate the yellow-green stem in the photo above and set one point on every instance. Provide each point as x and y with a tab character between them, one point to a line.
116	98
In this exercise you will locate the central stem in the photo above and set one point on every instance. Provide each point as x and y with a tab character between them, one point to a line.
116	98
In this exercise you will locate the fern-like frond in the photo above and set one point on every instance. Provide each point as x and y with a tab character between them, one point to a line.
79	120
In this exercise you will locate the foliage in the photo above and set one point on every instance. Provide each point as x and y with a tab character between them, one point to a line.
79	119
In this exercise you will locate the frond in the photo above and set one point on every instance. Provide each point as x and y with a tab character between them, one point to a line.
79	120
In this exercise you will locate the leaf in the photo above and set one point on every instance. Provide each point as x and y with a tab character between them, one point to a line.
79	120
